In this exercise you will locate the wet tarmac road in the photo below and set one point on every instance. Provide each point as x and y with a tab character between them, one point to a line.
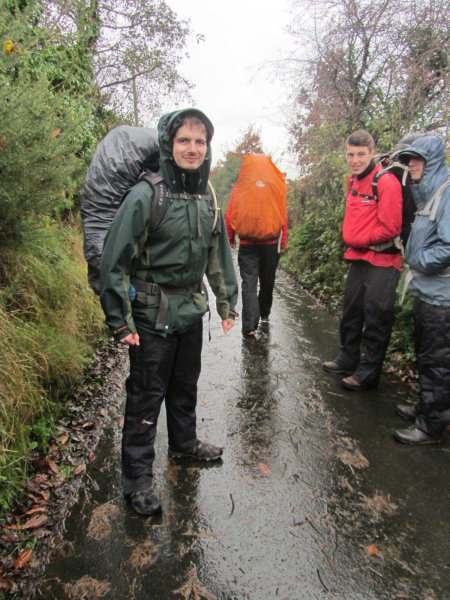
313	499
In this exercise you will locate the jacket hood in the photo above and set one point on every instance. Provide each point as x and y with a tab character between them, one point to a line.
177	179
431	148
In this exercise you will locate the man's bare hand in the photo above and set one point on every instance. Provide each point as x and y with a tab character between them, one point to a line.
131	340
227	324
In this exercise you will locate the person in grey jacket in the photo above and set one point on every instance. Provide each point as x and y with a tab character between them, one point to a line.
428	256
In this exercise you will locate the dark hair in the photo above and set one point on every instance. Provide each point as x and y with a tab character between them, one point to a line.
361	138
188	119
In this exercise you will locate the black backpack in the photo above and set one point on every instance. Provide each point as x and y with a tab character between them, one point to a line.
391	164
120	157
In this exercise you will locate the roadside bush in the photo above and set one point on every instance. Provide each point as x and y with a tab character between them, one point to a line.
40	171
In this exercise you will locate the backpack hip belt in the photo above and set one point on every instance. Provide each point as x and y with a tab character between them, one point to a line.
269	240
152	293
395	246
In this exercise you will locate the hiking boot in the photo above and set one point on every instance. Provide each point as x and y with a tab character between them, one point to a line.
334	366
350	383
406	411
200	451
416	437
145	502
249	334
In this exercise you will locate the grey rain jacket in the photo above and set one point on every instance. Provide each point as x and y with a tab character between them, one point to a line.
428	249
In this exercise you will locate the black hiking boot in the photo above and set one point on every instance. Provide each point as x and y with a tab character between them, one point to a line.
145	502
200	451
406	411
334	366
416	437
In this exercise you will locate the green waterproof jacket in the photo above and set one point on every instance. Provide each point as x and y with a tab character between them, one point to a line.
175	256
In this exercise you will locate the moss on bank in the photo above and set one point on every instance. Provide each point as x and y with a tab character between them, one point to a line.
51	322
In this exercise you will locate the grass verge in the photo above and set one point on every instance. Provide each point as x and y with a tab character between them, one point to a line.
51	322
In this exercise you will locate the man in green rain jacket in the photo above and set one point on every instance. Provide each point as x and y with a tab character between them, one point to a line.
162	325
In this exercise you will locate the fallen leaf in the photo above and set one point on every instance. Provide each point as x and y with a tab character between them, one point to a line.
353	458
36	509
53	467
6	584
372	550
102	518
63	439
379	505
23	558
87	587
45	495
192	588
264	468
40	481
32	523
79	470
56	133
144	554
54	453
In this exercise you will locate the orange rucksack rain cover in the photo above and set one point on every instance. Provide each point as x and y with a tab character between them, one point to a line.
258	210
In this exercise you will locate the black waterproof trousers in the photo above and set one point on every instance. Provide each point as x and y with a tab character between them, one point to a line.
367	319
432	342
257	262
160	368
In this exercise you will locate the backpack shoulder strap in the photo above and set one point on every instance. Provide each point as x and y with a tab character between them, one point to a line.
375	179
390	169
160	198
214	203
353	192
432	206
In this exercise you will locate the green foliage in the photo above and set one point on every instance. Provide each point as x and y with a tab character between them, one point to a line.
315	253
39	168
42	429
50	322
224	179
315	209
46	118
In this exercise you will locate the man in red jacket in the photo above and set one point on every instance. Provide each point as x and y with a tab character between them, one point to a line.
370	223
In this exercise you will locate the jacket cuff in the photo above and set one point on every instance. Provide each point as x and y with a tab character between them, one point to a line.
120	332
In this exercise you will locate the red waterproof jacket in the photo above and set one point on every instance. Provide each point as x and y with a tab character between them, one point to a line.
232	233
368	222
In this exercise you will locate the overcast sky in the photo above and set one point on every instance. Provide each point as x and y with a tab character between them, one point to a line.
240	36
